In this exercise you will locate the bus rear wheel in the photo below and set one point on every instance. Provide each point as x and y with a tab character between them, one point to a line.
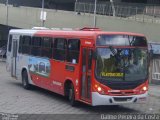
25	82
72	95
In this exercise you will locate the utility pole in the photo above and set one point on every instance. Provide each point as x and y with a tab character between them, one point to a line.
95	10
7	13
42	12
113	8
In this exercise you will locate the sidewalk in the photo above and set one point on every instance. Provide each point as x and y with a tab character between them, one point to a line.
154	90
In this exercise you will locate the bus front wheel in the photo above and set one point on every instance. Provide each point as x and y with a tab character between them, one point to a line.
72	95
25	82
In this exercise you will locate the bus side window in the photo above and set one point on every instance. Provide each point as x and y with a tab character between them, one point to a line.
73	50
36	46
46	50
26	41
59	50
10	43
20	45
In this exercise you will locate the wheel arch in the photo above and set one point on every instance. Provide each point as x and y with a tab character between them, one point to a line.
67	84
24	68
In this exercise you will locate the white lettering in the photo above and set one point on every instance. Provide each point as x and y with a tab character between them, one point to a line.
87	42
57	83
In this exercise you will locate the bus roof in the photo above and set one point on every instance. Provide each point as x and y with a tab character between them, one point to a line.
78	33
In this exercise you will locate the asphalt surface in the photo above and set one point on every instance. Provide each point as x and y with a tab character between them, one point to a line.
16	100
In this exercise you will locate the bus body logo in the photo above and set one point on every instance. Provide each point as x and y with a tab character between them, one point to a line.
39	66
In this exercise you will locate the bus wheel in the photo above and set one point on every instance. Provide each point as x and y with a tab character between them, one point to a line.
72	96
25	82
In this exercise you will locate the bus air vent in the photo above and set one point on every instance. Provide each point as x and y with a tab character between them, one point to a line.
119	99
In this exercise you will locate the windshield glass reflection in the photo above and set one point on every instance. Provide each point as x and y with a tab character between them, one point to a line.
122	64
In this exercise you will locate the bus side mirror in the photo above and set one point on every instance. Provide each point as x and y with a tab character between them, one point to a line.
95	55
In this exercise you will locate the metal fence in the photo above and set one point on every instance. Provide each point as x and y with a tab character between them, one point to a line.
156	69
3	51
137	12
154	50
3	42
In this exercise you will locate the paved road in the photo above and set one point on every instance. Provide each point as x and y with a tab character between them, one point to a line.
14	99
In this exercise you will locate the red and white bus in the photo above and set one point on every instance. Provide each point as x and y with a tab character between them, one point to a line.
87	65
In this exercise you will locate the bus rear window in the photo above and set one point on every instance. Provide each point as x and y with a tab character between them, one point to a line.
121	40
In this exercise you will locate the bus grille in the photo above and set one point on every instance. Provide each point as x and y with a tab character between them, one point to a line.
122	85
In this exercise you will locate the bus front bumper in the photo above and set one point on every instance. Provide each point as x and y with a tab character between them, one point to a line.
98	99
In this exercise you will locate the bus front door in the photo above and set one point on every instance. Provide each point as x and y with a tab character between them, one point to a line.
14	56
86	74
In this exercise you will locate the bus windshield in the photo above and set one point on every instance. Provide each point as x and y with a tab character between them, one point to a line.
127	64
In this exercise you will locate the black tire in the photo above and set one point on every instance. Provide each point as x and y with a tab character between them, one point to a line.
72	96
25	82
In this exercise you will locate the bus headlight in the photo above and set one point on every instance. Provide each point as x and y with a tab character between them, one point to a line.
99	89
144	88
